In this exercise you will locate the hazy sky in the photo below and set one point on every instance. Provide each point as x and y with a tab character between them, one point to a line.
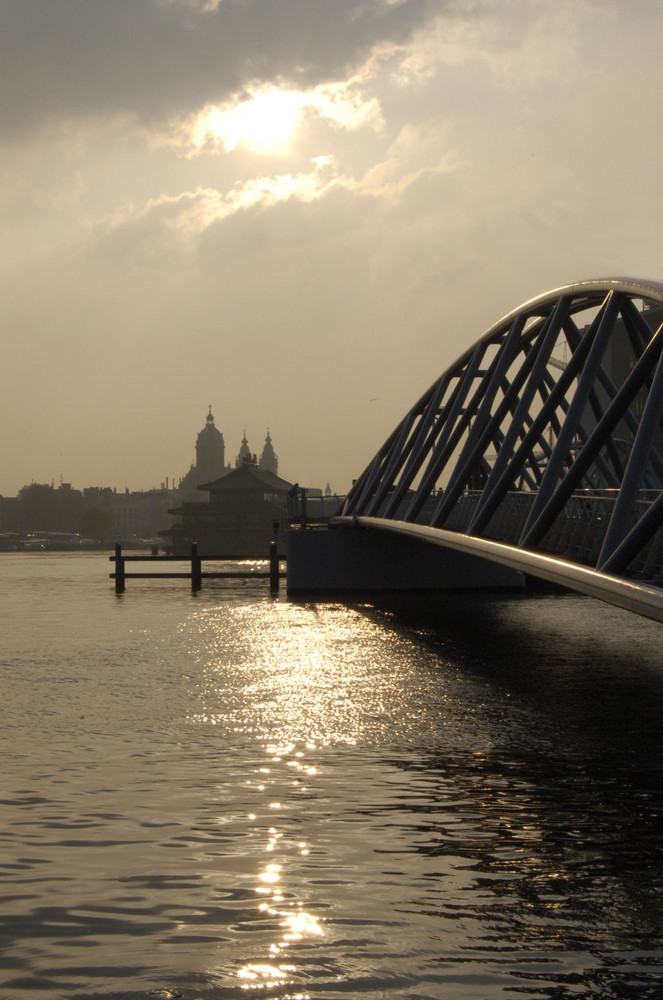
297	211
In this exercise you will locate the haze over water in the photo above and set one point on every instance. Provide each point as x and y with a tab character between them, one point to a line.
230	795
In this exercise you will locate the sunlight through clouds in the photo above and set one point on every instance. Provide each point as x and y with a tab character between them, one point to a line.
269	119
187	215
192	212
170	225
265	122
384	171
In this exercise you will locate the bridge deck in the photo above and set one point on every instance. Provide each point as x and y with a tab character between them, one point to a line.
642	599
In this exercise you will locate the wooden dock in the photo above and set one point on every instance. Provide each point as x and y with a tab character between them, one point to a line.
194	573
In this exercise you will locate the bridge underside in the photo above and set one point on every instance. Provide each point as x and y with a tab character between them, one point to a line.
373	556
357	550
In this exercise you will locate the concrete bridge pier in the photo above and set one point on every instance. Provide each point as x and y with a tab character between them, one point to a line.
352	559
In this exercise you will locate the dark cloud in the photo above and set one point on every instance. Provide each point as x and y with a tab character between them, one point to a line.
153	59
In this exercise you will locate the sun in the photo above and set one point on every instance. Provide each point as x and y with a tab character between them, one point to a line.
265	122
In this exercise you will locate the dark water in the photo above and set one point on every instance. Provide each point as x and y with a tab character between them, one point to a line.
228	796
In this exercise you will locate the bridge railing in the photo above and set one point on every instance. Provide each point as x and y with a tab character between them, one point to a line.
309	511
577	534
579	531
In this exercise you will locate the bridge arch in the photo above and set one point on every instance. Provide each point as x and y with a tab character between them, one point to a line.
543	439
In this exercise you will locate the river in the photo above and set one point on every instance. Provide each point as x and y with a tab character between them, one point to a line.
230	795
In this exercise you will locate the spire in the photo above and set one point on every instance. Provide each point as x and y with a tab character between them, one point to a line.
268	460
244	453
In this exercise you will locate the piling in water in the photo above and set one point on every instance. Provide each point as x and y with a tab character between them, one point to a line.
273	568
119	570
196	568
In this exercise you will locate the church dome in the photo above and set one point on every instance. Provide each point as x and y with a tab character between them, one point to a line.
210	451
209	431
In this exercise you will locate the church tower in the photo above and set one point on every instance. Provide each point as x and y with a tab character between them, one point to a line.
210	461
245	455
210	451
268	460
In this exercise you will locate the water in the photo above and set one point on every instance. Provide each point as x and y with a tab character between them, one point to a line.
231	796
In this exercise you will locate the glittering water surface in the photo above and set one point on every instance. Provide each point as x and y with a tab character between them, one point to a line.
227	795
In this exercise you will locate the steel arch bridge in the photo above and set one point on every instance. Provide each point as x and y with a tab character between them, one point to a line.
541	447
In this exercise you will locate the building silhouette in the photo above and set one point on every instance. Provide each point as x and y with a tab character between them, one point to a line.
239	512
210	460
211	464
243	506
246	509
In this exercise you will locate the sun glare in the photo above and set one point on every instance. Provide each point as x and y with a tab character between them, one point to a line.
268	119
264	123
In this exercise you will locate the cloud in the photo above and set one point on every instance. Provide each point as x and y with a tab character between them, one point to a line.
516	41
139	235
172	224
152	60
418	151
296	205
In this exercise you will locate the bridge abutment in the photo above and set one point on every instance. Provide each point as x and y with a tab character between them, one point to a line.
355	559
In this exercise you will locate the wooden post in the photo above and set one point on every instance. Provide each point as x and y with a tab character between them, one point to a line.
273	568
302	494
119	569
196	568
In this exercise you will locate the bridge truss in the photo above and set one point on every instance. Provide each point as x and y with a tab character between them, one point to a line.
542	443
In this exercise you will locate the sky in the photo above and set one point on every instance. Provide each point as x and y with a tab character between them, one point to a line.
299	212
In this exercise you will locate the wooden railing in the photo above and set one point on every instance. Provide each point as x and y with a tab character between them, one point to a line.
194	573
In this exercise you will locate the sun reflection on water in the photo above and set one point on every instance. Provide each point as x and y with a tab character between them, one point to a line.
296	927
285	672
271	874
290	684
300	924
264	976
276	883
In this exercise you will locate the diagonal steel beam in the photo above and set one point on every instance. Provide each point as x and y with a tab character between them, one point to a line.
533	436
571	423
432	424
604	428
454	415
373	475
448	442
617	563
480	433
358	489
649	423
396	459
506	468
606	383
